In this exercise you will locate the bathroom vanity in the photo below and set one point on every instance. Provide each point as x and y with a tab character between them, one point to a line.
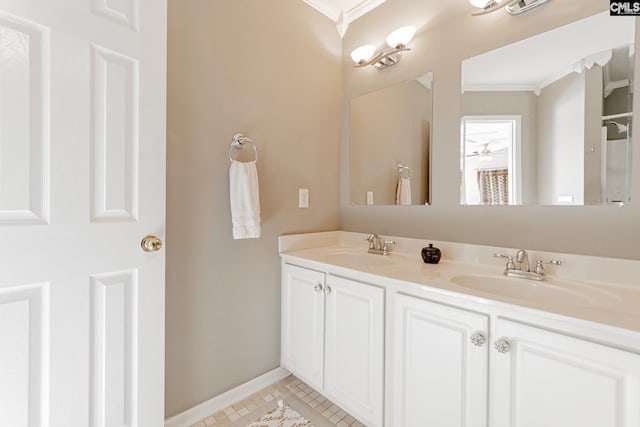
397	342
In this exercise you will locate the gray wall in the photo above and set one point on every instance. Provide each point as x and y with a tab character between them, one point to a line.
445	37
390	126
561	124
270	69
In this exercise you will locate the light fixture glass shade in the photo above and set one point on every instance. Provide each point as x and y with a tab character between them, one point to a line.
363	53
479	3
401	36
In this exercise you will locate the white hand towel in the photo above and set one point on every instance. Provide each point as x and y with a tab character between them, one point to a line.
403	192
245	200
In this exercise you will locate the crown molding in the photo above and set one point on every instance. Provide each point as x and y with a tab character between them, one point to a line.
343	17
500	88
330	12
361	8
600	58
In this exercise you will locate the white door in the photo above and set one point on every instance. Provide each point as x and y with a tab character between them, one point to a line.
303	323
82	149
354	349
545	378
439	365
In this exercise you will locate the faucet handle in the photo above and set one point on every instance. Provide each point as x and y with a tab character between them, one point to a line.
510	264
372	239
539	265
385	246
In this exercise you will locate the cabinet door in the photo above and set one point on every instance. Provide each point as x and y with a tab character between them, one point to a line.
554	380
303	323
354	356
439	375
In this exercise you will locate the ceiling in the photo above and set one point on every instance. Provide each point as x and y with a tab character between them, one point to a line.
343	12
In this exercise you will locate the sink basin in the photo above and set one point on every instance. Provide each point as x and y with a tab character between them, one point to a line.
523	289
357	258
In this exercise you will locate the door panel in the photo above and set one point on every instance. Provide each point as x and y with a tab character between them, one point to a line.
121	11
114	136
303	324
24	120
114	343
23	338
354	354
439	376
82	181
555	380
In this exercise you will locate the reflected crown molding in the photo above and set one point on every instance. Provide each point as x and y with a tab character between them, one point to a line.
600	58
426	80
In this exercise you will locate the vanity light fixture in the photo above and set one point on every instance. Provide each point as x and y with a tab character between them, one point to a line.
397	41
514	7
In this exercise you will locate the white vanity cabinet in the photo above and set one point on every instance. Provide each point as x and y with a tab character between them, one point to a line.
545	378
333	339
354	353
303	324
441	356
439	365
453	355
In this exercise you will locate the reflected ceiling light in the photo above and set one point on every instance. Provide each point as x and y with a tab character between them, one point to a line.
397	41
485	154
514	7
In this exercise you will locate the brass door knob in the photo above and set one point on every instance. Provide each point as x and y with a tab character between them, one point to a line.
151	244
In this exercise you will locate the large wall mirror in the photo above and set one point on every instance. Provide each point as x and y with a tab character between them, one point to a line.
390	143
547	120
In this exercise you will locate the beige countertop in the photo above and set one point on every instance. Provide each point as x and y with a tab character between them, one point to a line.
610	304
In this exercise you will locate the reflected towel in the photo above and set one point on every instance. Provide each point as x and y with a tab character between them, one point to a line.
403	192
245	200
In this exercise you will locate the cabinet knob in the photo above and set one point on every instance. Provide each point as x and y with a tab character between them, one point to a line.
327	289
318	287
502	345
478	339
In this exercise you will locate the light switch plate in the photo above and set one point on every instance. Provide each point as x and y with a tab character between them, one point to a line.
303	198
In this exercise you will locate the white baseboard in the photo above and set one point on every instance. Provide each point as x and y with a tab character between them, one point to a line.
226	399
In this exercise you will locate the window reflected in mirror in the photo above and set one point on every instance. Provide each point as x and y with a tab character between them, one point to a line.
547	120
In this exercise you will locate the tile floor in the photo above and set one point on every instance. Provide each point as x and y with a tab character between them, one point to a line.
299	396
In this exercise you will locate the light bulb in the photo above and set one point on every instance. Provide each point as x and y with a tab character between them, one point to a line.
363	53
481	4
402	36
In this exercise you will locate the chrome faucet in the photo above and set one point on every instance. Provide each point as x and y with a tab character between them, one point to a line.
377	246
521	268
374	242
523	260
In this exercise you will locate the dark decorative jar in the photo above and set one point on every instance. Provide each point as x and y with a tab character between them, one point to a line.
431	255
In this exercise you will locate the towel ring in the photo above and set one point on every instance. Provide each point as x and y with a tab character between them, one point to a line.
404	171
239	141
